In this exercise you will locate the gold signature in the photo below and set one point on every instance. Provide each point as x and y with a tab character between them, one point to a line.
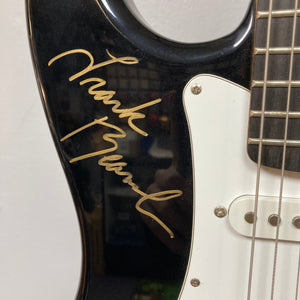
113	162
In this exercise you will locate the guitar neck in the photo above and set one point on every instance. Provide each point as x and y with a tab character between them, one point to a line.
276	86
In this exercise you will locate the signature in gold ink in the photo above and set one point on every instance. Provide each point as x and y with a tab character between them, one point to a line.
104	95
113	162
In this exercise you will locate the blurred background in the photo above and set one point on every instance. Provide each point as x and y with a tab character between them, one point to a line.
40	250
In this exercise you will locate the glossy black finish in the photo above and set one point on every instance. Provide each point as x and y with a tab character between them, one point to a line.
160	48
126	254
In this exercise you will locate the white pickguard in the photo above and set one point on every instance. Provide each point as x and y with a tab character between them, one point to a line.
220	257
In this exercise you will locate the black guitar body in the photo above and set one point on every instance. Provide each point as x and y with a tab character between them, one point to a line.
128	161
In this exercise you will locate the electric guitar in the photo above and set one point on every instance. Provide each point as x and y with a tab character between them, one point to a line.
185	184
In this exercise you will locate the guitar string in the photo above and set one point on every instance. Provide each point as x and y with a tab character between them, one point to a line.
298	271
284	150
258	172
298	276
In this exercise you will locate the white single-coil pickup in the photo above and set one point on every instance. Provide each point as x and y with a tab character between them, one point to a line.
241	217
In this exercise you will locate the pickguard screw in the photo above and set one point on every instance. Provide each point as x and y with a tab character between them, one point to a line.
196	89
195	282
274	220
249	217
220	211
296	222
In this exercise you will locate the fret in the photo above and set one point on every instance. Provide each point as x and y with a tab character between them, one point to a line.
275	114
277	13
274	142
277	50
275	83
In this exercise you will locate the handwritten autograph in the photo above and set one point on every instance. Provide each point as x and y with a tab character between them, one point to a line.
113	162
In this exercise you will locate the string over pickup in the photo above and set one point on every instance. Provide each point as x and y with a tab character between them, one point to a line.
241	217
